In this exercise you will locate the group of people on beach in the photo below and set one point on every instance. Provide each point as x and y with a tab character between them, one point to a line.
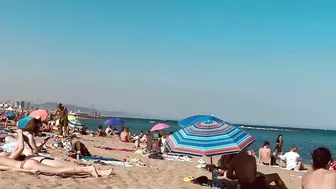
148	141
15	160
241	167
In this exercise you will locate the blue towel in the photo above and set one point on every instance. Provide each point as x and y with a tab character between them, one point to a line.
23	122
99	158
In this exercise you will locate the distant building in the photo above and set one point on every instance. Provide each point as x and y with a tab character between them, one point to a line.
28	106
22	104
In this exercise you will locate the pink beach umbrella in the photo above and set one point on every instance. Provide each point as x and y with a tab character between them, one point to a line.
42	113
160	126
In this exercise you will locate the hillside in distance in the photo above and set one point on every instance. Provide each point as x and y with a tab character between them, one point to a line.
71	107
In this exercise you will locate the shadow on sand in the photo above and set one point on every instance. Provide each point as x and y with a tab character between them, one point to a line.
229	184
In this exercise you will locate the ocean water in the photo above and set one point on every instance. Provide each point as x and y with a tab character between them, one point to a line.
305	139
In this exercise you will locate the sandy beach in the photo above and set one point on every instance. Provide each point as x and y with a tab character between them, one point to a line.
157	174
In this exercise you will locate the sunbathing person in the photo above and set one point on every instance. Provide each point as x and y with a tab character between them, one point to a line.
320	177
243	168
49	166
292	160
265	156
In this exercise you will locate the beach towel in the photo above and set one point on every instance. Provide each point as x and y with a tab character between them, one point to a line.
176	158
115	149
106	161
99	158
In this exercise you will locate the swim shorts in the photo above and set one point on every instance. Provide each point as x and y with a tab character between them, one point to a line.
64	122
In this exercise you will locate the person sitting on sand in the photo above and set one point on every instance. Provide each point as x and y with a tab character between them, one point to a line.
142	142
265	156
320	177
100	131
141	134
108	131
31	164
243	168
125	135
224	161
30	127
292	160
162	142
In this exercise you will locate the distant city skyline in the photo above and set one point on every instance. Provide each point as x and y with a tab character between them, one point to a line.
260	62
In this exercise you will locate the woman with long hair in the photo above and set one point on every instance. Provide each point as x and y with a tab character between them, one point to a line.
42	164
278	146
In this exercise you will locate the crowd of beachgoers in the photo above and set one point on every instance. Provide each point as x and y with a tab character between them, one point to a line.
21	152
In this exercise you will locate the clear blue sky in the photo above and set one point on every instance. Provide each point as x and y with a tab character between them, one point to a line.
246	61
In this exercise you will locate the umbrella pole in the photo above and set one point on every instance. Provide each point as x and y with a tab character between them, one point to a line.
210	160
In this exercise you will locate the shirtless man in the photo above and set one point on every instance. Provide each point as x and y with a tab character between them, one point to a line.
265	155
243	167
320	177
63	120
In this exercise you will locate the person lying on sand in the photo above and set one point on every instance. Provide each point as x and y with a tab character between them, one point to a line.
320	177
243	168
54	167
265	156
292	160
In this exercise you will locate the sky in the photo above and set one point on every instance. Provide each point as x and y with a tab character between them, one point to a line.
256	62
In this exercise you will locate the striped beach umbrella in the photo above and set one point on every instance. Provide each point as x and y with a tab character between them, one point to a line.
209	138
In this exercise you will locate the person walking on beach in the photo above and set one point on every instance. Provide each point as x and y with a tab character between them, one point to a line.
320	177
63	120
243	168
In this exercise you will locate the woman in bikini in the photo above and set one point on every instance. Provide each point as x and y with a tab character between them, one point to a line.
30	127
42	164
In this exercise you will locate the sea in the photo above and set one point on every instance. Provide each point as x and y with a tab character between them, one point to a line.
306	140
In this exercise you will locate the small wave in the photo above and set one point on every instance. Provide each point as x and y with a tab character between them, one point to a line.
268	129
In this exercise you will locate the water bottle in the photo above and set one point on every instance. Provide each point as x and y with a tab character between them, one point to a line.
78	155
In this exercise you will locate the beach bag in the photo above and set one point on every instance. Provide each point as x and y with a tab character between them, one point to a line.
80	147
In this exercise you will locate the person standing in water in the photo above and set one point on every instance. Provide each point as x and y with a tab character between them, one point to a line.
63	120
278	147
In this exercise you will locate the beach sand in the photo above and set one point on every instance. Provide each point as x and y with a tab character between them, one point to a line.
161	174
